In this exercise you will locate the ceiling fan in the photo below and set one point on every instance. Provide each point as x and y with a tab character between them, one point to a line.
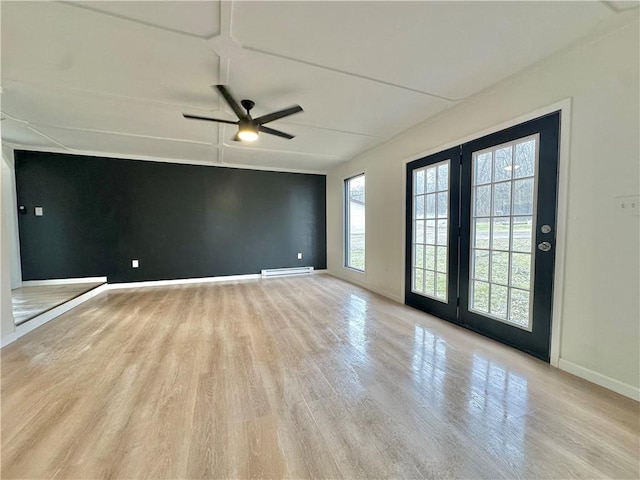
248	128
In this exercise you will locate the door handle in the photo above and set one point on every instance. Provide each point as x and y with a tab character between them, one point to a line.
544	246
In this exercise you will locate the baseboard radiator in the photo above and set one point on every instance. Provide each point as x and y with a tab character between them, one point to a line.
286	272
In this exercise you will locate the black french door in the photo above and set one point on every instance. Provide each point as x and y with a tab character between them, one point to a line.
432	218
481	229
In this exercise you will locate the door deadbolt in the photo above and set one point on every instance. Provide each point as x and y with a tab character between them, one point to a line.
545	228
544	246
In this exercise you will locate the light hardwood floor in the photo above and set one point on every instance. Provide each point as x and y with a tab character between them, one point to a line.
29	302
294	377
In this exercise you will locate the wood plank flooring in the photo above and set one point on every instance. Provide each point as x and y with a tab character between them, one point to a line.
298	378
29	302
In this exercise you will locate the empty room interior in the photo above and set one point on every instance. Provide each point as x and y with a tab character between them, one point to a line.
369	239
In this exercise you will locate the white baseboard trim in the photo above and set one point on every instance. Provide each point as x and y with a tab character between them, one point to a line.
600	379
49	315
183	281
8	339
62	281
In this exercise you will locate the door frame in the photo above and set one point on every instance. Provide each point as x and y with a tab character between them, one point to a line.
564	106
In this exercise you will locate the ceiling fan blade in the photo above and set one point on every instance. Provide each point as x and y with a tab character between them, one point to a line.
232	102
197	117
277	133
279	114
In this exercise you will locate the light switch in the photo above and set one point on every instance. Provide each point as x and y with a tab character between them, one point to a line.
135	264
299	255
39	211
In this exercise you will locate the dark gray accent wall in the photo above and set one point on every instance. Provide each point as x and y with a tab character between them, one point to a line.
179	221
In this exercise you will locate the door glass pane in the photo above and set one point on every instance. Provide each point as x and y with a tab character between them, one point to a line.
431	235
441	263
480	263
442	232
500	233
482	205
481	232
525	159
500	268
441	285
430	257
519	307
482	168
520	270
443	204
498	304
522	233
418	283
429	283
419	206
418	181
480	297
418	229
523	197
443	177
431	206
419	256
502	164
502	198
502	219
431	179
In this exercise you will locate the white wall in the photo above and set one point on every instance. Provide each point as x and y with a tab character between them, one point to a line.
600	319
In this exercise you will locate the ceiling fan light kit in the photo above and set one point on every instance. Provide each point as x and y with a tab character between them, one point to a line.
247	132
248	127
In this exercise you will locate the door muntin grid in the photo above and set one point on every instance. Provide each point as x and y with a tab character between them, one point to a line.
430	217
503	219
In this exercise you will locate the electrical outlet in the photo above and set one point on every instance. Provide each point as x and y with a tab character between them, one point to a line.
135	263
628	204
299	255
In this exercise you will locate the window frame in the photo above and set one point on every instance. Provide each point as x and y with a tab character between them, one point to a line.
347	221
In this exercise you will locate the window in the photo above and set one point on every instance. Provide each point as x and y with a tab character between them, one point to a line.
354	222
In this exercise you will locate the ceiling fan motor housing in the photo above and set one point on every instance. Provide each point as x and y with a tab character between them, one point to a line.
247	104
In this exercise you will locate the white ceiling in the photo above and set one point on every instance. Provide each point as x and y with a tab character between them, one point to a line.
113	78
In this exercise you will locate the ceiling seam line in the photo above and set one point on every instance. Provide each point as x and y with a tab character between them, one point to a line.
284	152
133	20
134	135
33	125
347	132
12	118
344	72
615	9
51	139
111	95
